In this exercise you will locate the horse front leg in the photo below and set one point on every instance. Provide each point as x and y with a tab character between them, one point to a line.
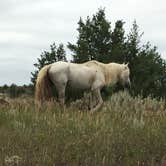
99	99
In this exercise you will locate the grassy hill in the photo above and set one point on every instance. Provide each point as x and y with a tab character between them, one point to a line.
125	132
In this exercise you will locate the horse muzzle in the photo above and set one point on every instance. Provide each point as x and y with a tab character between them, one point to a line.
127	85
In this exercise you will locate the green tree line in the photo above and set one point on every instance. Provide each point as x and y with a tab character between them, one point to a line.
14	90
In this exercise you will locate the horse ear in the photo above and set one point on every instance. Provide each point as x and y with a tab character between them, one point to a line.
127	63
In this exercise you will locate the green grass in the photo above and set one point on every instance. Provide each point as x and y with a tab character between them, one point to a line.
125	132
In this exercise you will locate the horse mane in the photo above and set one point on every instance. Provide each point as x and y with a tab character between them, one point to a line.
92	62
105	68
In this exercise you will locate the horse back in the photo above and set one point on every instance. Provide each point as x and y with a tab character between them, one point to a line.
79	76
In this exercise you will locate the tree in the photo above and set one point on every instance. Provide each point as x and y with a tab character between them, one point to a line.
146	64
133	44
94	40
117	52
47	57
148	72
97	41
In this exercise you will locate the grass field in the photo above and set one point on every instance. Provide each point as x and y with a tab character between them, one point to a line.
125	132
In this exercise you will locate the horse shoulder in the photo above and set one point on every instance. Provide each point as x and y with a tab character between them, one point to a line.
99	80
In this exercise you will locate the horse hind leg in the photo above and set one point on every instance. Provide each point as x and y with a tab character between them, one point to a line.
92	100
61	95
61	98
99	99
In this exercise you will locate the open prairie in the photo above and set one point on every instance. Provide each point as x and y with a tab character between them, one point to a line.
125	131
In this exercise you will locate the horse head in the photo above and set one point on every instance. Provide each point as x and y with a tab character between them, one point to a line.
125	76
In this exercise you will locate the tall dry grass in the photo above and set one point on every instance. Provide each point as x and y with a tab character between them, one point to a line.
126	131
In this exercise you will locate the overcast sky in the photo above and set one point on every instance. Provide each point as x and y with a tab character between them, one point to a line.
28	27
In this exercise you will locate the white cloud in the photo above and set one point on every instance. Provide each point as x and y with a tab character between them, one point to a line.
11	36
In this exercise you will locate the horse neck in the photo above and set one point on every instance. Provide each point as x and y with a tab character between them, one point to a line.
112	72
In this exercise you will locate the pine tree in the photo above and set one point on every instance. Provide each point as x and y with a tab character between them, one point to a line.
94	40
97	41
118	43
146	65
132	45
47	57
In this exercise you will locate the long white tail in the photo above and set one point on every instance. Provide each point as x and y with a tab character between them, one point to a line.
43	86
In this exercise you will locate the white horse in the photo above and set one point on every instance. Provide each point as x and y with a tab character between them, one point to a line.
92	75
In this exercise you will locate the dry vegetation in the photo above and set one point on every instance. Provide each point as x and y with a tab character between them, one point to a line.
125	132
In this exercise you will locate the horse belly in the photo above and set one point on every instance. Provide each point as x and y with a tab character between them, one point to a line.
79	84
81	79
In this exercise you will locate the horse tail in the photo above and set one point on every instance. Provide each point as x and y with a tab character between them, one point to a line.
43	86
